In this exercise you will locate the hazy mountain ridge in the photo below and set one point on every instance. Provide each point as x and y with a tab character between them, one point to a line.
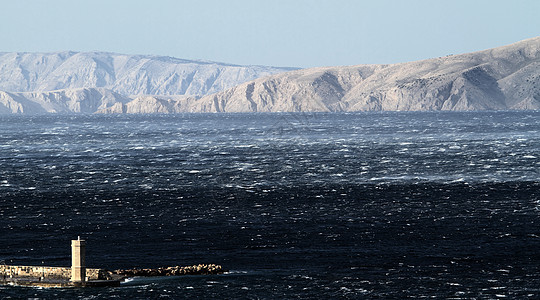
124	74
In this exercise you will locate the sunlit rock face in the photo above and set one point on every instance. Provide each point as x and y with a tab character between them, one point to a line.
497	79
504	78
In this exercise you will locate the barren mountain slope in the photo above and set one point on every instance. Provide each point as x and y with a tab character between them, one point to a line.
502	78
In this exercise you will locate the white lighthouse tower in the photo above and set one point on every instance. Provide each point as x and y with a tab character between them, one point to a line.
78	265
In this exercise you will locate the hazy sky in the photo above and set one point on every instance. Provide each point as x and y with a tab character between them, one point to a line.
301	33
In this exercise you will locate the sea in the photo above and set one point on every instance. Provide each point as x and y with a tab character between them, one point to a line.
370	205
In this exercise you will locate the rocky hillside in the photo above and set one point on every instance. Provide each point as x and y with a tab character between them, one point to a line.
497	79
502	78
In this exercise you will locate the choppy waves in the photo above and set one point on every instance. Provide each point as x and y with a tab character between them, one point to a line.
388	205
251	151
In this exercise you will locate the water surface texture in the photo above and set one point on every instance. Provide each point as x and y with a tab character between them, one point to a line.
353	205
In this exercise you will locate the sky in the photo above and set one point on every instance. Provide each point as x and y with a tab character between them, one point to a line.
286	33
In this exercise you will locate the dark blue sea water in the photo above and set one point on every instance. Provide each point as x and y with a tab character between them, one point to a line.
363	205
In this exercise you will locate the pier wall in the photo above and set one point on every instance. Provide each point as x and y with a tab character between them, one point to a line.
46	272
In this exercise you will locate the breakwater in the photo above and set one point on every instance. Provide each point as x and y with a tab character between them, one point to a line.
201	269
80	276
43	276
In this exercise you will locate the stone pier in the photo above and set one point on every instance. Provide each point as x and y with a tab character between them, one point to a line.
79	276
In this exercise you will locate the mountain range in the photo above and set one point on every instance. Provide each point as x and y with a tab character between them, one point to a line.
503	78
84	82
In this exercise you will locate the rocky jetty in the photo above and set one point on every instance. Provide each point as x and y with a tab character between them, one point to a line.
201	269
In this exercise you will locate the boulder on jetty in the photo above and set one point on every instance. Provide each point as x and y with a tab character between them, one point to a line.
201	269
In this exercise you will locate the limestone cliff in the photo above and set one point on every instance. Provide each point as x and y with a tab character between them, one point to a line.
151	104
85	100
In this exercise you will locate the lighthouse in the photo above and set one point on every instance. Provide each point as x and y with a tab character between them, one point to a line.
78	266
